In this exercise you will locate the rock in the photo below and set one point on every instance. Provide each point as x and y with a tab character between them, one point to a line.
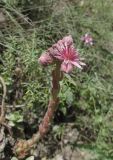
76	155
44	158
30	158
67	153
70	135
59	157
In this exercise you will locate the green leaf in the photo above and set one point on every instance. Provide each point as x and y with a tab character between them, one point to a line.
69	96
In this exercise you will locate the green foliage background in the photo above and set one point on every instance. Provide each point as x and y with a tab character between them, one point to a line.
89	92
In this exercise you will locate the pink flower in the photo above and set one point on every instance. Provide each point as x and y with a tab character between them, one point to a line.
45	59
64	52
87	39
67	54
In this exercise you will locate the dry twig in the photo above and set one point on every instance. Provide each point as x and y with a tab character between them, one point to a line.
3	101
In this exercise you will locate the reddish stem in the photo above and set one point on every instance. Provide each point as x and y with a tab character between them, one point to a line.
23	146
53	103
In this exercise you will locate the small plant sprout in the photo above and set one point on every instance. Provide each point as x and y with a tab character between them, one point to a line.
87	39
64	57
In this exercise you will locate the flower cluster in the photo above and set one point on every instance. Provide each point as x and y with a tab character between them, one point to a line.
87	39
64	52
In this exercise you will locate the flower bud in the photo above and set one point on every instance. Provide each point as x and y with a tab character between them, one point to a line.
45	59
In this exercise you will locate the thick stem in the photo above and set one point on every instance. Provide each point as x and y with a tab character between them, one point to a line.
53	103
23	146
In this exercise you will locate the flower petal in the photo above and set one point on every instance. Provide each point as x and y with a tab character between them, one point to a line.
82	64
58	46
77	64
50	50
66	67
68	40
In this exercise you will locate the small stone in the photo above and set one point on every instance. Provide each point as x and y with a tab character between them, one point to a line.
30	158
67	152
70	136
44	158
59	157
14	158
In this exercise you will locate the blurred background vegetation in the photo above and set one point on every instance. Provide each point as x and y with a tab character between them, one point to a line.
29	27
